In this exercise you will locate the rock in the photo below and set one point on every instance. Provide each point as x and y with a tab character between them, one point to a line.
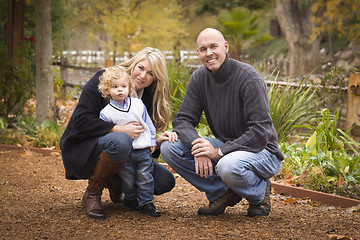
346	54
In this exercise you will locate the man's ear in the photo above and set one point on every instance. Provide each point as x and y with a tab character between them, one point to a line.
226	46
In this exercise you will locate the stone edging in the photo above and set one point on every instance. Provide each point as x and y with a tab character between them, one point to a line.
298	192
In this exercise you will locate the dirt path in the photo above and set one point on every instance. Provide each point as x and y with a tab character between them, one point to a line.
37	202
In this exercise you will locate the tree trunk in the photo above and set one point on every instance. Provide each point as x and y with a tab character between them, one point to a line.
15	30
45	100
304	56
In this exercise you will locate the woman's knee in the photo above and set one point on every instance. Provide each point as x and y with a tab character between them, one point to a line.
164	180
117	146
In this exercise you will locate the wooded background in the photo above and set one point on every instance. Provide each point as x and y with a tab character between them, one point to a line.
295	30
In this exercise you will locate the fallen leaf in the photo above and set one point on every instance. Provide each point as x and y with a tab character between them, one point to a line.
339	182
54	154
336	236
289	180
290	200
27	153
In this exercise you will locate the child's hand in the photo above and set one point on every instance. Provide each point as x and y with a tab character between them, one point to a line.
152	149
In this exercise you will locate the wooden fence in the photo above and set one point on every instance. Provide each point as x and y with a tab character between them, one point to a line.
76	68
98	58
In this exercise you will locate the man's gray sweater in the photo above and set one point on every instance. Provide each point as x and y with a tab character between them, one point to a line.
236	106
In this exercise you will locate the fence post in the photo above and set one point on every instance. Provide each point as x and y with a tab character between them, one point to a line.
353	105
64	76
109	63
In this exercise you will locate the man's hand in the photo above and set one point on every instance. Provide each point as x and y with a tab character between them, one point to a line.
203	148
203	165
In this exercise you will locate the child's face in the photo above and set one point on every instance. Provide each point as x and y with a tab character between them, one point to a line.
119	89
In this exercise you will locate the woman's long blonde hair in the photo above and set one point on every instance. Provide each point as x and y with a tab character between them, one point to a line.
160	114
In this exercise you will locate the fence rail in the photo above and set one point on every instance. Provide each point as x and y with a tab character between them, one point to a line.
97	58
90	57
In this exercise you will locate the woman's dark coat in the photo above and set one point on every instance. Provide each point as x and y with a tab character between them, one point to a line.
84	127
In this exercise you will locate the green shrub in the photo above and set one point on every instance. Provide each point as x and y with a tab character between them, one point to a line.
326	136
17	86
48	135
317	180
179	76
349	190
290	107
27	131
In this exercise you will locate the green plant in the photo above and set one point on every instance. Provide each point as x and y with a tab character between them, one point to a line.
339	164
240	26
290	107
16	87
349	190
331	94
9	135
326	136
327	171
179	74
296	159
327	159
27	124
318	180
27	131
47	134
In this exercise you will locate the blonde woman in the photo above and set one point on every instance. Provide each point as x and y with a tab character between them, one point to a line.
96	150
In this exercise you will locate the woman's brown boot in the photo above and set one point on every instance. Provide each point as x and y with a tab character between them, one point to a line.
104	168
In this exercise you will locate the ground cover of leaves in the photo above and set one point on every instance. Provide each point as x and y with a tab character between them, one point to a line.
37	202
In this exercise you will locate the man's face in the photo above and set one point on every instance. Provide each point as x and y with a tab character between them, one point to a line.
212	50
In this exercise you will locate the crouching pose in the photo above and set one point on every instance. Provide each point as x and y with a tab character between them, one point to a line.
95	149
244	154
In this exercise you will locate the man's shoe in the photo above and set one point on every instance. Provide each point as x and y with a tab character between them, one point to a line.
218	206
149	209
263	209
132	204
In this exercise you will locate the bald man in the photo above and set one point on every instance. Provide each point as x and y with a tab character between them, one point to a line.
244	154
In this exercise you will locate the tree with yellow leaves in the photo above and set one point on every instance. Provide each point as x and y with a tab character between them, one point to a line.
337	16
130	25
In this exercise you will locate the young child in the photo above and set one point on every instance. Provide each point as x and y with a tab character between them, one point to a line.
136	174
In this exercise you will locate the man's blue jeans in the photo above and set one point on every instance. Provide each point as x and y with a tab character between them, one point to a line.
137	176
244	172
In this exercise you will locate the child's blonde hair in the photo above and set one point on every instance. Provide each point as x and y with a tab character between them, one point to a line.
110	73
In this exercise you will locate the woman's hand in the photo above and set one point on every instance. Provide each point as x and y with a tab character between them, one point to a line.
133	129
167	136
